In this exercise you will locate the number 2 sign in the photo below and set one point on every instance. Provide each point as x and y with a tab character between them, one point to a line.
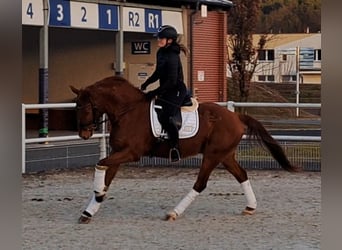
83	15
76	14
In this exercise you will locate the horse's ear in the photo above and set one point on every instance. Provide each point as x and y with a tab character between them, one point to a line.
73	89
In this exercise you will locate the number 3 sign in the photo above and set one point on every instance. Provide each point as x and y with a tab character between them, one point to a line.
83	15
64	13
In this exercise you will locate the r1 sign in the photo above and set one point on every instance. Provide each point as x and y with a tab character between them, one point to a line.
153	20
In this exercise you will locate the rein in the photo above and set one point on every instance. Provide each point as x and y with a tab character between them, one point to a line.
125	109
96	122
168	102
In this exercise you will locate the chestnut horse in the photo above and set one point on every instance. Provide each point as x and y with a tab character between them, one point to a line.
131	137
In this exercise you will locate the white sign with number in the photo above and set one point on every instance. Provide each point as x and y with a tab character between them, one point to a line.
32	12
84	15
133	19
173	18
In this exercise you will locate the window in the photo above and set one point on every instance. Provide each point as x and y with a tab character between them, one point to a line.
283	57
288	78
262	78
317	55
270	78
266	55
266	78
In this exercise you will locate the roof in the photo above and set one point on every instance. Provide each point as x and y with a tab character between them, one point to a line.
291	40
218	3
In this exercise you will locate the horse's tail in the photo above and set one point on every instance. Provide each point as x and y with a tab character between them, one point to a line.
256	130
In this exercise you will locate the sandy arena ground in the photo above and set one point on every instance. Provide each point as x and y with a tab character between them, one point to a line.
287	217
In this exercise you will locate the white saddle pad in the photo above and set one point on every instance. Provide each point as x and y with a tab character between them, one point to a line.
190	123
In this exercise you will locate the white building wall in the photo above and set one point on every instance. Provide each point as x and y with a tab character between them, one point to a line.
281	68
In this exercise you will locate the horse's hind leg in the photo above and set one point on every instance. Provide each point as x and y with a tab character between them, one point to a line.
201	183
103	176
241	176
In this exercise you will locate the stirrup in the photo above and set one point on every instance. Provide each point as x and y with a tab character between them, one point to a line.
174	155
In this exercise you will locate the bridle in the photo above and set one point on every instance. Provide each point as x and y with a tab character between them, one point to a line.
95	113
94	124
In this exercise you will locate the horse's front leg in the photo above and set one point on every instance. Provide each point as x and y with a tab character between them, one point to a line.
105	172
102	178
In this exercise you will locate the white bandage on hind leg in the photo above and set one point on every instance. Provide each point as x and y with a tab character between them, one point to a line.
93	206
187	200
250	197
99	180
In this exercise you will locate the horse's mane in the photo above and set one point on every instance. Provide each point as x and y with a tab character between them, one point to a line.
113	81
112	85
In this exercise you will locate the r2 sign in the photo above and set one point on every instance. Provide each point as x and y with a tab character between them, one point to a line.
141	20
133	19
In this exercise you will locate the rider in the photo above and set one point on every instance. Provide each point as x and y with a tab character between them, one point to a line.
172	92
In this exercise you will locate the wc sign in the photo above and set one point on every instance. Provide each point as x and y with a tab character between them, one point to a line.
141	47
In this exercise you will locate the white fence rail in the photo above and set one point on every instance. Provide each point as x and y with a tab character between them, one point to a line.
231	105
102	136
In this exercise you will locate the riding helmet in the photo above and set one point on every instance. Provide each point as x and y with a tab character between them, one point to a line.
167	31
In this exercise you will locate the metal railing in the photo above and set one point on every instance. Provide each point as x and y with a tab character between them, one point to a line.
103	135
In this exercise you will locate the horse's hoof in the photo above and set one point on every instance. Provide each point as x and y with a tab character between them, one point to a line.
171	216
84	219
248	211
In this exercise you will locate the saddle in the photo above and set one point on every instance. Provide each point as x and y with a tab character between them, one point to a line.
187	120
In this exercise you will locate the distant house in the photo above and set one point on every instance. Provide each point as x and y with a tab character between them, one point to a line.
288	57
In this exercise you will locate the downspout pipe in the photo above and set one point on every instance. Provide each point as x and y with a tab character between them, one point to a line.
192	22
44	72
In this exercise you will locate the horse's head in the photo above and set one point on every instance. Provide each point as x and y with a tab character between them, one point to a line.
87	113
113	95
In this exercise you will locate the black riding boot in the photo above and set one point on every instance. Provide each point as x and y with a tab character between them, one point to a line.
172	131
174	155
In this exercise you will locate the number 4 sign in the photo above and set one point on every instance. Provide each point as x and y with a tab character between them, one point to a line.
32	12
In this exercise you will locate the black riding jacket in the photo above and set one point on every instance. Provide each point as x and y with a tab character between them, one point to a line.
169	72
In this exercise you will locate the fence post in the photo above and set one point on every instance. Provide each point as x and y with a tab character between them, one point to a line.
23	137
230	106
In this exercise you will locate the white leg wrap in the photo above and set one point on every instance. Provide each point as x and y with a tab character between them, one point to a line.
93	206
248	191
187	200
99	180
